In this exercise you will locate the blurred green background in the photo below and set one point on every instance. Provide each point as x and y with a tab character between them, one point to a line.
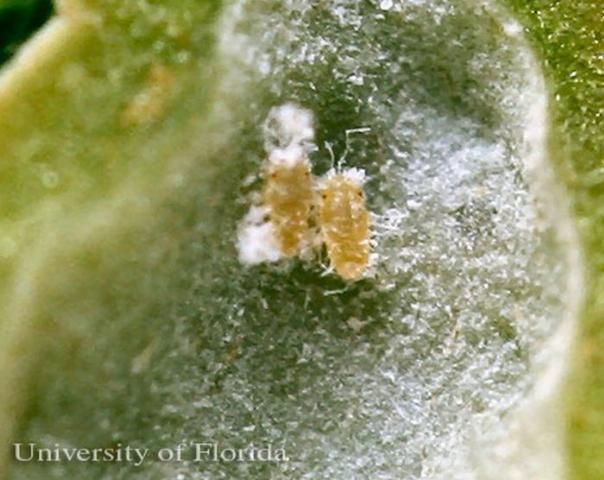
18	20
569	36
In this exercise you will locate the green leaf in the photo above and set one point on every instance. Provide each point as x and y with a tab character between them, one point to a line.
131	144
569	39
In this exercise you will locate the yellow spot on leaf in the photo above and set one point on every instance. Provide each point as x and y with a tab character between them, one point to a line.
150	104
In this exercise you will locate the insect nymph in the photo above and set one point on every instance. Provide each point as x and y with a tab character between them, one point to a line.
279	227
345	223
289	197
294	204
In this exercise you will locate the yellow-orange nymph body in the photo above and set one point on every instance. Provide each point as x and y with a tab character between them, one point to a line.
289	196
345	224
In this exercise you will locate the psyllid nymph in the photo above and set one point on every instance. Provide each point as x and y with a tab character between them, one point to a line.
344	222
298	211
289	196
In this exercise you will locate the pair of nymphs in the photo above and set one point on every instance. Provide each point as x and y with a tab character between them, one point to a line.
298	212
